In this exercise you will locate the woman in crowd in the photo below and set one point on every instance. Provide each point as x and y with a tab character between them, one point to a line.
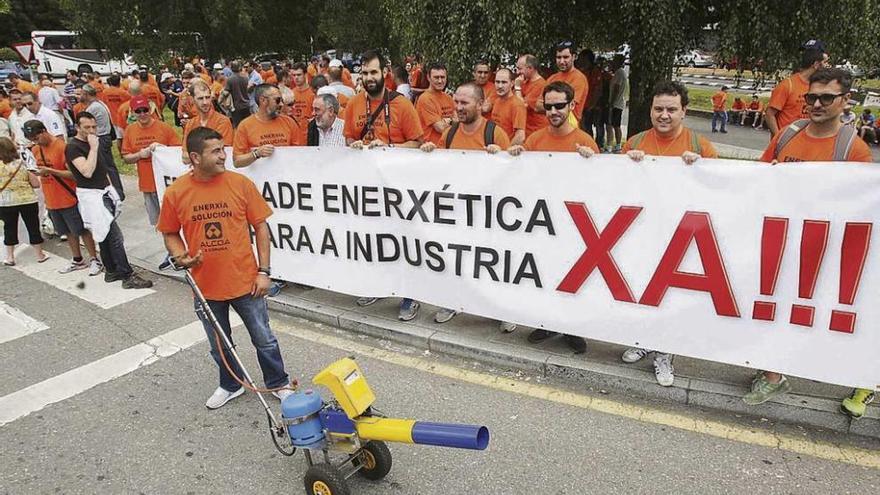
17	198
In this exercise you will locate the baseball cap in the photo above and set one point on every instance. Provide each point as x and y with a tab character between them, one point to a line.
218	66
32	128
188	66
166	76
139	101
335	63
815	44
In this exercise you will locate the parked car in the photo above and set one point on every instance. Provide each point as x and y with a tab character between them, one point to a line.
853	69
694	58
8	67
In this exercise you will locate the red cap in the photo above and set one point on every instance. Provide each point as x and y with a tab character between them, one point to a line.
139	101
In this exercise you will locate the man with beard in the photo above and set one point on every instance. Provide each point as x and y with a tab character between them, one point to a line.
509	110
435	107
378	117
471	131
567	73
206	116
258	135
558	135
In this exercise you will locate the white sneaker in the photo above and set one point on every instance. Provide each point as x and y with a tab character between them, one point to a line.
221	396
282	394
444	314
95	267
74	266
634	354
663	369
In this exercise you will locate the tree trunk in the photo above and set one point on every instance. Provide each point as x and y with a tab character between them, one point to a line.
647	67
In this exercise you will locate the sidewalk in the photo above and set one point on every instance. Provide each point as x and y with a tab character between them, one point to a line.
697	382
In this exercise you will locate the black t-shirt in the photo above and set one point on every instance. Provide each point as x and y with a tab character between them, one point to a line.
237	85
77	148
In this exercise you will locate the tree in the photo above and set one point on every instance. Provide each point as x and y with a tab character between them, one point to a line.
24	16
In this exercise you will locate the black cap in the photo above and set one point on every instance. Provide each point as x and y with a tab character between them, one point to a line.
816	45
33	128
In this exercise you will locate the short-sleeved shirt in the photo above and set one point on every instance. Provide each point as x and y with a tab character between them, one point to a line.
719	101
578	82
531	93
476	140
49	97
509	113
543	140
619	79
80	149
114	97
489	93
237	86
216	121
214	216
138	137
253	133
302	110
102	117
52	156
403	125
738	105
19	191
52	121
432	107
656	145
787	99
805	148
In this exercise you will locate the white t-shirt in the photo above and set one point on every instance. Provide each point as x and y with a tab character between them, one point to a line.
52	121
16	124
405	90
50	98
619	80
335	88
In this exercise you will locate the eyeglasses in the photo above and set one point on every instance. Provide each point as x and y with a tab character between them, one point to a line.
558	106
825	99
142	110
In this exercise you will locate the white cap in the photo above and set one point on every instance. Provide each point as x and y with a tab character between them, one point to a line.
165	77
217	66
188	66
336	63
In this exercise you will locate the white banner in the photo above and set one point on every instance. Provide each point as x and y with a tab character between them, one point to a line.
730	261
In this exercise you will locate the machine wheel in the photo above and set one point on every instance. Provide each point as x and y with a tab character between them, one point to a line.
84	68
324	479
375	460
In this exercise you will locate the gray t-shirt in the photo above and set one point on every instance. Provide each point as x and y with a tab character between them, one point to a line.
619	80
237	85
102	117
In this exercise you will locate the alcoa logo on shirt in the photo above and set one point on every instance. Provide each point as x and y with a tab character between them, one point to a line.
214	240
213	230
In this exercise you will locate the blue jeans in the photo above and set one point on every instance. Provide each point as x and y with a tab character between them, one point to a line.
722	116
255	314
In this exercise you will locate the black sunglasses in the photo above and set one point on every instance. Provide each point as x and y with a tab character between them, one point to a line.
558	106
564	44
142	110
825	99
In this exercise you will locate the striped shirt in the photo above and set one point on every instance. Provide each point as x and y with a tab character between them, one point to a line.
332	137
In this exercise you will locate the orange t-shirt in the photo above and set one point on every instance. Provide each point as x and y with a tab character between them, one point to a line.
137	137
302	110
98	85
489	94
805	148
738	105
788	99
253	132
509	113
215	216
153	94
5	108
404	122
414	76
216	121
474	140
653	144
81	107
26	87
207	78
532	92
186	107
52	156
216	89
346	78
578	82
719	101
543	140
754	105
390	85
311	72
433	106
113	97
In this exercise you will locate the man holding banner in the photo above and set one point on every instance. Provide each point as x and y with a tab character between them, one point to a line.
820	138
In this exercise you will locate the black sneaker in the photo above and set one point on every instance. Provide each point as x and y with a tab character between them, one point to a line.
540	335
577	344
166	263
136	282
111	277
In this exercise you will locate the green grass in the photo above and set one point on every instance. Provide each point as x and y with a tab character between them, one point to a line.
131	168
871	84
701	99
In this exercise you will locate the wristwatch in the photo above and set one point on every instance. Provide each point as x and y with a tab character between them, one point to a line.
266	271
256	155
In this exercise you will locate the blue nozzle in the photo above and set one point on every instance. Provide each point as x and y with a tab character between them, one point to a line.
451	435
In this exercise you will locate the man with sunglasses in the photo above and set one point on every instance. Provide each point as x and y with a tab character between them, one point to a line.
567	73
820	138
50	119
138	144
787	99
258	135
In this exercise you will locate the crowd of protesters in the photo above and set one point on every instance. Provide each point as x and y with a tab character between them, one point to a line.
256	107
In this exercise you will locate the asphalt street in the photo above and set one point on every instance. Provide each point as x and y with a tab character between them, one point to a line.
84	410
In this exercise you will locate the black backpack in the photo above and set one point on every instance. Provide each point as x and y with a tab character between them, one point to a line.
488	133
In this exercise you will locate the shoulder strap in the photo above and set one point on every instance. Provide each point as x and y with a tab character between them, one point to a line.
57	179
843	144
636	140
389	97
11	177
788	134
696	147
450	135
489	133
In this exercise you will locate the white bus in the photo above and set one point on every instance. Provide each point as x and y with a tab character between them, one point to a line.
57	52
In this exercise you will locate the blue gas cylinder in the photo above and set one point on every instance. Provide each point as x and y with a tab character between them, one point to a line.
304	407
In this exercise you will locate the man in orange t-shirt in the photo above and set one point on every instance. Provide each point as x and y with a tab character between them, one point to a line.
206	116
5	105
59	190
470	132
114	96
373	118
509	110
435	108
17	82
216	209
303	96
567	73
482	71
719	109
529	85
258	135
558	134
139	142
787	99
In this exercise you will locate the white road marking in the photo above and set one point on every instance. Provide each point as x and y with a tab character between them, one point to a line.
66	385
94	290
14	324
